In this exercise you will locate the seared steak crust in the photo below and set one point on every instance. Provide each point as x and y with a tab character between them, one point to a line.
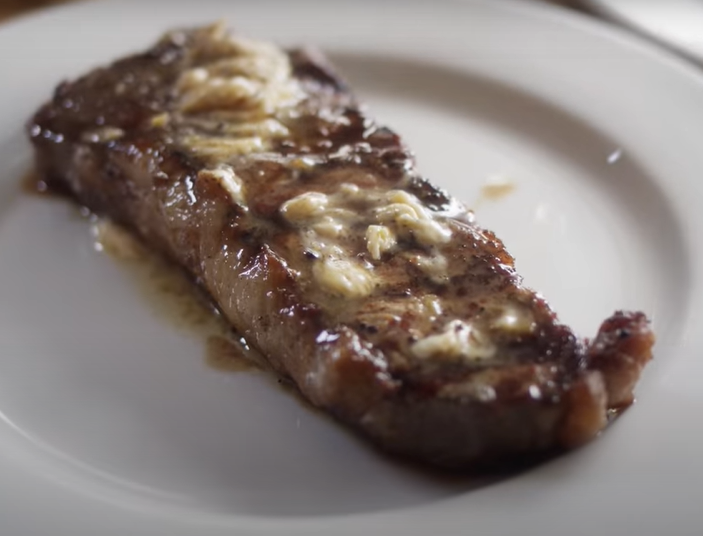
377	295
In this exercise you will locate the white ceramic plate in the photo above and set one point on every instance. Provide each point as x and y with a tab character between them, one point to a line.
111	423
676	23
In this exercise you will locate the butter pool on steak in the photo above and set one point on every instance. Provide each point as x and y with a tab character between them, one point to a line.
257	171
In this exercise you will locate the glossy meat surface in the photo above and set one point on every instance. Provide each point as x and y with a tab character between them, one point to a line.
307	223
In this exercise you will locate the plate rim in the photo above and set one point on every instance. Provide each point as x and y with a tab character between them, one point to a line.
611	13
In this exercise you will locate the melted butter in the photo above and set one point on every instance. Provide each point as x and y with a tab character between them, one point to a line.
434	266
172	296
102	135
230	355
229	181
495	189
458	340
175	298
325	222
411	217
496	192
343	277
379	240
235	96
305	207
167	290
32	183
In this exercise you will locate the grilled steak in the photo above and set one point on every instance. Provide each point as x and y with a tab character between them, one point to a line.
256	171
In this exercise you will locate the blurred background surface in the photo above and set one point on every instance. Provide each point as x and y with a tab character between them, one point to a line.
672	23
11	8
